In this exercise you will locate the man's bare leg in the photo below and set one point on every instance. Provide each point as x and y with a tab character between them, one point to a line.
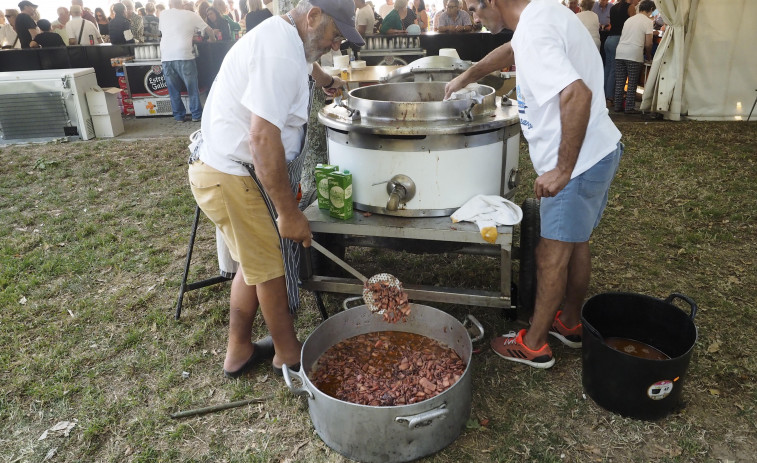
242	309
579	273
552	258
275	306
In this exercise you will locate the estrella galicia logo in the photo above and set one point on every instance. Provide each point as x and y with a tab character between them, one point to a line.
155	82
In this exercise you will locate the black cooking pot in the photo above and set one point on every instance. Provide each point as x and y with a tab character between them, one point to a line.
629	385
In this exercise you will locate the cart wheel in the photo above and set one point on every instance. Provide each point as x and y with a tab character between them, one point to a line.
530	228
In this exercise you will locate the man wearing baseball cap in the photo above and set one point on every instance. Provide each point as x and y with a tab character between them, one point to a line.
26	27
245	170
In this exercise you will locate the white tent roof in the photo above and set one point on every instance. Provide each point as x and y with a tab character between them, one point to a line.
706	65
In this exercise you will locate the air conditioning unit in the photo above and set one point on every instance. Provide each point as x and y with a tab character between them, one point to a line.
46	104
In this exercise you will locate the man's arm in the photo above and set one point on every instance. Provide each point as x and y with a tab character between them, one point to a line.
269	159
499	58
34	32
323	80
575	107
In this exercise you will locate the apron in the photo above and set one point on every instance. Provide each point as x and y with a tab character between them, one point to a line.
290	251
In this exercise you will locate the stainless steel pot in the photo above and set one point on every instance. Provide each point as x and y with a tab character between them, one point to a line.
387	434
443	151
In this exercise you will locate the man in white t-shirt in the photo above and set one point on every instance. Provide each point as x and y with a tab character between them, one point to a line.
79	29
8	37
177	27
386	8
59	25
249	164
364	19
575	149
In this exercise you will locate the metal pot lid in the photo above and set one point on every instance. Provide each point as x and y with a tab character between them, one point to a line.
412	108
445	68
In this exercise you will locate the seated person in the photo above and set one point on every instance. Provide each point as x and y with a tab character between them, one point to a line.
46	38
393	22
452	20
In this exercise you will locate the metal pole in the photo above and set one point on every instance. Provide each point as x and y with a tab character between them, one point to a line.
183	287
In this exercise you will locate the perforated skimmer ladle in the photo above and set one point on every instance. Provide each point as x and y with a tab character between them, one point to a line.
386	278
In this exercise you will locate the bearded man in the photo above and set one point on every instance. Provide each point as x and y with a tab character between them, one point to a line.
245	169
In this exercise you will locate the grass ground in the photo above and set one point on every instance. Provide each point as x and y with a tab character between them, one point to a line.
93	241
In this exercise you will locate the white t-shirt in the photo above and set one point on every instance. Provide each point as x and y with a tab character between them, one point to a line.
631	44
8	36
590	20
552	50
256	78
364	17
177	27
73	26
385	10
60	29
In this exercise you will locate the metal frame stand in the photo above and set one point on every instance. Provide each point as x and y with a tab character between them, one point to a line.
362	229
752	110
185	287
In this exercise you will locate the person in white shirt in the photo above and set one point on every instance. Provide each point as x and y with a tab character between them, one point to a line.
177	27
575	149
8	36
245	171
635	43
79	29
59	25
364	18
386	8
590	20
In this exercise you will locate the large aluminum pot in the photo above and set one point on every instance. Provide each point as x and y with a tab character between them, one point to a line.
387	434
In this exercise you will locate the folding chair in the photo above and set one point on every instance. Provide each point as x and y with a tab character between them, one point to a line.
185	287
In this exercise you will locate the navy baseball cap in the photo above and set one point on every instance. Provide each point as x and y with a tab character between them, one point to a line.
343	13
26	3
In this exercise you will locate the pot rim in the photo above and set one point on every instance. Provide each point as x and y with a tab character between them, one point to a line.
313	389
647	298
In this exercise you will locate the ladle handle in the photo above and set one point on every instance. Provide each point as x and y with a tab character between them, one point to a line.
688	300
339	261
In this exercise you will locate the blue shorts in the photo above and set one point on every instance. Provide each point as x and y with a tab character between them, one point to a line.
574	213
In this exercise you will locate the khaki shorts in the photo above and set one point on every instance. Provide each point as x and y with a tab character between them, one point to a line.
237	208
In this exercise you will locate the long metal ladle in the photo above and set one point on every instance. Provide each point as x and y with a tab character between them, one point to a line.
385	278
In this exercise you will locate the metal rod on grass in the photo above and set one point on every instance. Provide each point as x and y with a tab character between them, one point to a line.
219	407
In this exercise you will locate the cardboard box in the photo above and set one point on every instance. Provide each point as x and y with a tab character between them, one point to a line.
340	194
103	101
108	125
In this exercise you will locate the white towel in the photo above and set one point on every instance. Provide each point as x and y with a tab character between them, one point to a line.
488	212
227	266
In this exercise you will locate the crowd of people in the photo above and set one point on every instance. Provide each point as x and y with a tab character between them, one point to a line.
126	22
624	44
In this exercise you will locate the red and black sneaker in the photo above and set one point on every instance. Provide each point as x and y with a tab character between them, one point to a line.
511	347
571	337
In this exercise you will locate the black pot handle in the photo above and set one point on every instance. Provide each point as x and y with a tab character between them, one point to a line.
594	332
689	300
